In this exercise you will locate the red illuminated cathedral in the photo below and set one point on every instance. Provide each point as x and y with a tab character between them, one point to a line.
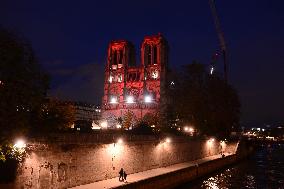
131	87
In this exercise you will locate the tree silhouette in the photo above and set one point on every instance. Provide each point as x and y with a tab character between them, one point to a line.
206	101
23	85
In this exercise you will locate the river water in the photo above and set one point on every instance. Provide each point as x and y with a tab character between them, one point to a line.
264	169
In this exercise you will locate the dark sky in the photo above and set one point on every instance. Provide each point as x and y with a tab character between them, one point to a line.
70	39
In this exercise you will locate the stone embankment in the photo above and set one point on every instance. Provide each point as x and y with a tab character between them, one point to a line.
65	161
174	175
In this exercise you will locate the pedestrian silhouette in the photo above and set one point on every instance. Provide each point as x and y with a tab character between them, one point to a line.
121	177
124	175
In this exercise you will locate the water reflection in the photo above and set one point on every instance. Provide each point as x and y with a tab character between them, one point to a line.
265	169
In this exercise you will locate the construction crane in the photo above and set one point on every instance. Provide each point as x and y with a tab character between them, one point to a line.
221	39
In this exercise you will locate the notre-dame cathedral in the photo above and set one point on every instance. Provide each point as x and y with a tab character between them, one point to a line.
131	87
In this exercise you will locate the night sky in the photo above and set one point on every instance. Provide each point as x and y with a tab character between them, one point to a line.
70	39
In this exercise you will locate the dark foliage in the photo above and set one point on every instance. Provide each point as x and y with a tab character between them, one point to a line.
23	85
205	101
143	128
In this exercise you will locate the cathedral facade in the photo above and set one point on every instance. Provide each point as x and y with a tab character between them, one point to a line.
129	87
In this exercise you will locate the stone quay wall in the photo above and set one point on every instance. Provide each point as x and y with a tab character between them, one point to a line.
62	161
182	176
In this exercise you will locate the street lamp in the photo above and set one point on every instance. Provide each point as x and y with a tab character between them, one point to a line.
20	144
168	140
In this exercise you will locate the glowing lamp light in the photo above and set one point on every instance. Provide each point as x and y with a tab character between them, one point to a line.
190	129
148	99
104	124
118	126
119	141
130	99
211	70
113	100
168	140
185	129
211	140
20	144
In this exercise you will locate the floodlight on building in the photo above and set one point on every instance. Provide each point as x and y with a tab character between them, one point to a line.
129	99
20	144
148	99
113	100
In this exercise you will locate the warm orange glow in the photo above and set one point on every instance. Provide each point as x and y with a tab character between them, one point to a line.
210	141
119	141
104	124
168	140
20	144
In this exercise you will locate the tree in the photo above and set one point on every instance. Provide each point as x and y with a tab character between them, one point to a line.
23	85
129	119
151	119
55	115
207	101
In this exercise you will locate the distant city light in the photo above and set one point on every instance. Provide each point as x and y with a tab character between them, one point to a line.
20	144
130	99
148	99
188	129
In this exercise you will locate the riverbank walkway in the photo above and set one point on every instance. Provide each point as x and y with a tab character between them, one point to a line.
136	177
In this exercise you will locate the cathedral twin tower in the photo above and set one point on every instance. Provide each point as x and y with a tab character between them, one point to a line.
135	88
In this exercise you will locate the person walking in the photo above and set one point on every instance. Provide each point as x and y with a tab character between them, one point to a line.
124	176
121	176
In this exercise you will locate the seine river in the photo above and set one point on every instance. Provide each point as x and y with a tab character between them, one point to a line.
264	169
